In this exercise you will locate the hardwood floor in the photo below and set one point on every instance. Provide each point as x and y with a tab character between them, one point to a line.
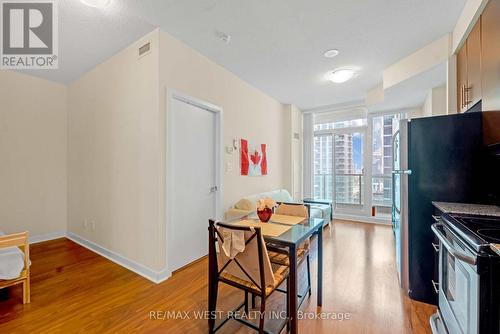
77	291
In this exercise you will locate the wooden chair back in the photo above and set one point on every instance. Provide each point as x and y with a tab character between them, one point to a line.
292	209
252	265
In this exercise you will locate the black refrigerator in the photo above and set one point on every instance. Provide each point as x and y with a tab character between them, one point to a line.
435	159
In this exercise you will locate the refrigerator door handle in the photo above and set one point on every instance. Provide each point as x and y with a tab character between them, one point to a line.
402	171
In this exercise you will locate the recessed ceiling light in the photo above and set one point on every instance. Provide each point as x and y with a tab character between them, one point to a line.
97	3
341	75
331	53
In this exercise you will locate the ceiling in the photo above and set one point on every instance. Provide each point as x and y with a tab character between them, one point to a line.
276	45
412	92
88	36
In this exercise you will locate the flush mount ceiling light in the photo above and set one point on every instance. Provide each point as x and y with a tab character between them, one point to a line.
97	3
331	53
341	75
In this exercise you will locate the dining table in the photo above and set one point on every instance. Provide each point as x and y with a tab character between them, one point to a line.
290	239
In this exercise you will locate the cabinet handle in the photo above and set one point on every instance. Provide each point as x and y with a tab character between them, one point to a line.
467	91
462	96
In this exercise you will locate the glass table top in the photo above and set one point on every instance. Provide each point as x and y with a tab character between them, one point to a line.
296	234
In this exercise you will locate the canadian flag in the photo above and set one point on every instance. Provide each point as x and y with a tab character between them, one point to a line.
253	159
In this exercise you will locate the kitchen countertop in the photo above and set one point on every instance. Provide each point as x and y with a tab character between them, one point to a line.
495	248
469	209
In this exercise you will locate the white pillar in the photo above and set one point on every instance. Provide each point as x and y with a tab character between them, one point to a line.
308	123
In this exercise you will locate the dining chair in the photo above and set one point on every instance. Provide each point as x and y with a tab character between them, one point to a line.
280	256
293	209
20	240
250	270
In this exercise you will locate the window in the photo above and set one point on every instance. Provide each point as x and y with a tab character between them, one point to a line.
384	128
349	169
340	125
338	166
323	180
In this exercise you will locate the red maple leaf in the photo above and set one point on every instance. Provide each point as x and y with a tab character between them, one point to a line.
255	157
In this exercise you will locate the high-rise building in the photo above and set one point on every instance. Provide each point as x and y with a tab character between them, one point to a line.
323	154
345	189
336	155
384	128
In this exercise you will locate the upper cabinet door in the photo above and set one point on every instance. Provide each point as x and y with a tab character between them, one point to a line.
473	92
490	45
461	78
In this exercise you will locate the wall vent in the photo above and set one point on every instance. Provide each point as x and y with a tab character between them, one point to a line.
144	49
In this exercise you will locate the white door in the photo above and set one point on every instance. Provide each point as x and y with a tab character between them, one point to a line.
191	183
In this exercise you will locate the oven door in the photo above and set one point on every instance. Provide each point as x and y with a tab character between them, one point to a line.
458	283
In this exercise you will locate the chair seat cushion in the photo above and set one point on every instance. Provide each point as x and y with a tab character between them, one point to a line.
280	273
282	259
11	262
316	213
321	211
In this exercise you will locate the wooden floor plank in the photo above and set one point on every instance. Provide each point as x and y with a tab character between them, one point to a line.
77	291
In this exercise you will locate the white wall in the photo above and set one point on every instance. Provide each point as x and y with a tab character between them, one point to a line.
307	153
297	153
468	18
436	102
427	107
33	155
451	85
247	113
114	159
439	100
294	173
117	147
418	62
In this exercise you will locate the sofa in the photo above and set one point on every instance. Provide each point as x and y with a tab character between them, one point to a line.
248	204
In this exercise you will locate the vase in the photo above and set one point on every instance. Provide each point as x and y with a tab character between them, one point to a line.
265	214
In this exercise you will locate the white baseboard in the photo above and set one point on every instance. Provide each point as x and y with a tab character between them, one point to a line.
363	219
47	236
150	274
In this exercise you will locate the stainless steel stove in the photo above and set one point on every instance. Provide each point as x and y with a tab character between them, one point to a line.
478	231
469	275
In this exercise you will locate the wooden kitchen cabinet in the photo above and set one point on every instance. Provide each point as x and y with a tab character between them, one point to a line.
461	77
473	91
469	90
490	54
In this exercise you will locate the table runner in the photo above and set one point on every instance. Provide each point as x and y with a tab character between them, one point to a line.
288	220
268	229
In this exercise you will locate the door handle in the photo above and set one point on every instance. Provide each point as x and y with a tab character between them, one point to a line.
213	189
449	247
